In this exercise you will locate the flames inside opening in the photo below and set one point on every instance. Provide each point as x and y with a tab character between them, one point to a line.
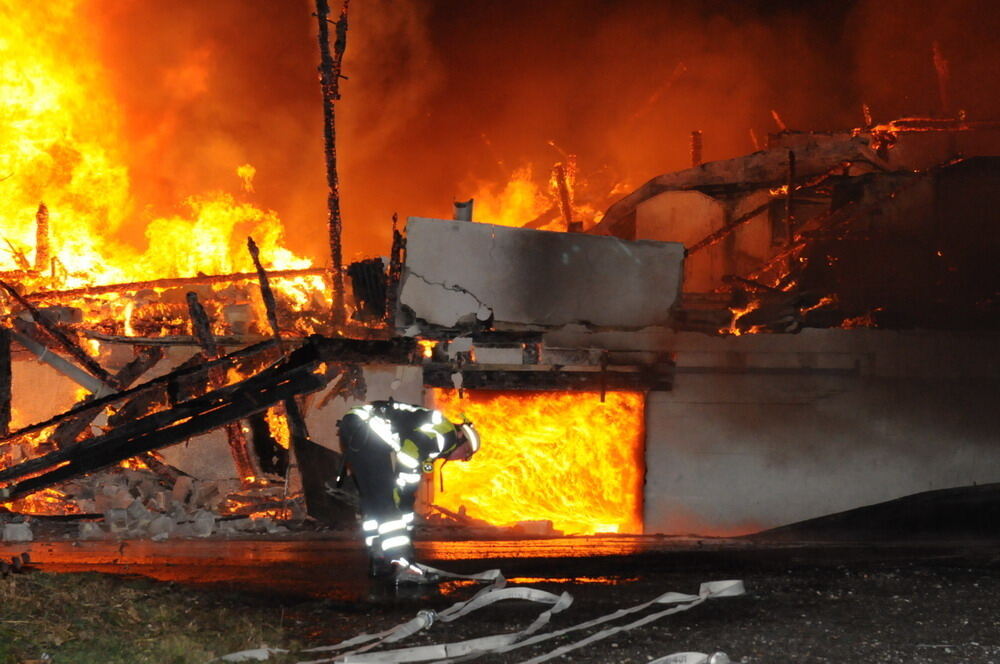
563	457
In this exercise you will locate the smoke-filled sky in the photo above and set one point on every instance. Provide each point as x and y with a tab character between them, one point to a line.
444	95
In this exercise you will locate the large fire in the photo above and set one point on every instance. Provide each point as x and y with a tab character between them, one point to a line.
563	457
61	143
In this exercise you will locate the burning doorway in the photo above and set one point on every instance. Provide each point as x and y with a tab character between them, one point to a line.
564	457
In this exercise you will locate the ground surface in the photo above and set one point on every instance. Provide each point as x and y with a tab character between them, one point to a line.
840	602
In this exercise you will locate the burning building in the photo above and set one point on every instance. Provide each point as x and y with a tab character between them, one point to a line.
738	345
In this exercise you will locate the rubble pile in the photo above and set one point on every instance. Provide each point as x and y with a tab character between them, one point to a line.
139	504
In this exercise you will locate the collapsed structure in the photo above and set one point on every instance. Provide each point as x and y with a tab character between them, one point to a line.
740	345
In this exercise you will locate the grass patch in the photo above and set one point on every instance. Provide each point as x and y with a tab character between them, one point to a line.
90	617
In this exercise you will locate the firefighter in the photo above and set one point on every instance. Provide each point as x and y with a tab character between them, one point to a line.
387	445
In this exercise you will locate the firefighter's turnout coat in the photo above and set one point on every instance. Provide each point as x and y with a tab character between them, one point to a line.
387	445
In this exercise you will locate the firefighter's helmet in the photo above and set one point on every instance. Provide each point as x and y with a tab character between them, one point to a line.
470	442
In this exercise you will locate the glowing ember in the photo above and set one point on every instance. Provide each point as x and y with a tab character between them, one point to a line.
558	456
825	300
46	501
426	347
738	313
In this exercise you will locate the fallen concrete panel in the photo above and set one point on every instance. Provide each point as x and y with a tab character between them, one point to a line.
457	271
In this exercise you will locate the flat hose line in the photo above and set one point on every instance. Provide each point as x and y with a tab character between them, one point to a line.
496	591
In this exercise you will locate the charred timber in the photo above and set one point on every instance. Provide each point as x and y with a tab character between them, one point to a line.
330	66
202	328
181	422
266	294
838	219
172	340
169	381
5	381
293	415
724	232
789	198
333	350
161	396
295	375
71	347
565	206
42	240
69	430
521	377
395	272
28	335
171	282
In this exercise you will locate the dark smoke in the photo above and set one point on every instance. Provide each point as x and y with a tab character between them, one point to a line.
443	93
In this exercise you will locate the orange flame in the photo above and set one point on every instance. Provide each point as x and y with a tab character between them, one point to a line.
564	457
277	423
427	347
526	199
61	142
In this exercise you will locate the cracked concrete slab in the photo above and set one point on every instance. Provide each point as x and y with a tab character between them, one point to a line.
457	271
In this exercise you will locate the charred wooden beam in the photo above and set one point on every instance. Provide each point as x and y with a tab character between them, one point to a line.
202	329
30	337
839	218
726	230
42	239
163	395
565	205
50	296
749	284
265	290
5	381
723	232
156	464
68	430
22	261
538	377
395	272
301	444
71	347
789	227
175	340
330	66
117	446
394	351
168	381
295	375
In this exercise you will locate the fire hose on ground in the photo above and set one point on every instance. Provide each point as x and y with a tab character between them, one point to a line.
358	649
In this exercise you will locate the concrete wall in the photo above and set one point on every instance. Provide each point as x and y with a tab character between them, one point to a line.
764	430
457	271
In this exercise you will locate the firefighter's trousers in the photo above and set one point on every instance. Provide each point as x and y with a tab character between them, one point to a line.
386	508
